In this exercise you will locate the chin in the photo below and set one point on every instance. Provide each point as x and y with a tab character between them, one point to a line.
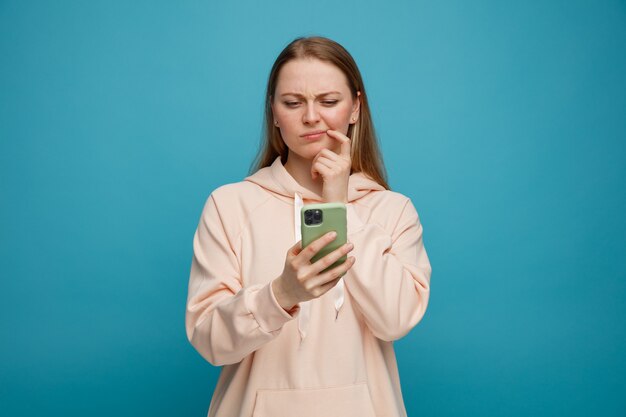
326	143
310	150
307	154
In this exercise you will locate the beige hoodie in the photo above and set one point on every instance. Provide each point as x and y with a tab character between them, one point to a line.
330	356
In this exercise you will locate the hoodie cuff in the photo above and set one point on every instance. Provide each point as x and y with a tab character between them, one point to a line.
266	310
355	223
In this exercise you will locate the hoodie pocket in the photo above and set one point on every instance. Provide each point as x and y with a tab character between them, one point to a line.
343	401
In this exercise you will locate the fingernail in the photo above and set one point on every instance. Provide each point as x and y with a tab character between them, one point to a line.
332	234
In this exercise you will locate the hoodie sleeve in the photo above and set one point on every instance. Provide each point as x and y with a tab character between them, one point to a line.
390	280
224	321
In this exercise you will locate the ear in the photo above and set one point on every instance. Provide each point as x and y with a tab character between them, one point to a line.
356	107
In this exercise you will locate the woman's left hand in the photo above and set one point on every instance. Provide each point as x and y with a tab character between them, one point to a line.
334	169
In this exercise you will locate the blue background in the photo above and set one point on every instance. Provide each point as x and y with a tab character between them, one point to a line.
505	122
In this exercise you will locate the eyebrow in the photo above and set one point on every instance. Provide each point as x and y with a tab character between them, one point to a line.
319	95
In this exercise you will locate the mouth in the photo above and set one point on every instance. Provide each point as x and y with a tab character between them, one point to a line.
314	135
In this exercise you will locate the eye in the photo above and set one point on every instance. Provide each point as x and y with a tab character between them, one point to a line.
290	103
329	102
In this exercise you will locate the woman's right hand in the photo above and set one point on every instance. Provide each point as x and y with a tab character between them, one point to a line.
301	280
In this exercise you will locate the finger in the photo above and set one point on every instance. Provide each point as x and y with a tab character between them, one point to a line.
323	153
313	170
304	257
331	258
326	162
328	286
345	142
322	169
332	276
296	248
328	154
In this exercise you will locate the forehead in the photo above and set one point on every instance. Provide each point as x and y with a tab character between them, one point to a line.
310	76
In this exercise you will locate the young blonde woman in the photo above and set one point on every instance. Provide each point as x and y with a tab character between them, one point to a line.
293	341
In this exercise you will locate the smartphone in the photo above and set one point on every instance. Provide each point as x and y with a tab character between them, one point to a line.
318	219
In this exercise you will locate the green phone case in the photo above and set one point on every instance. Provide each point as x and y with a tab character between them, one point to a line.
333	218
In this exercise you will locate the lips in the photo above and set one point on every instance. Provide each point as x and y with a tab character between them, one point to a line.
313	134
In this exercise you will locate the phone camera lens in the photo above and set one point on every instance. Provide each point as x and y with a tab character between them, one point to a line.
312	217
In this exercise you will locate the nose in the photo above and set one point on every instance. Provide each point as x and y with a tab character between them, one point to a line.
311	115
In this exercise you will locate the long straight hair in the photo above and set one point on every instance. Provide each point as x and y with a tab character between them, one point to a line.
365	154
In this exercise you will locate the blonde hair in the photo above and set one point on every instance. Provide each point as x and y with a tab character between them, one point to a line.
366	156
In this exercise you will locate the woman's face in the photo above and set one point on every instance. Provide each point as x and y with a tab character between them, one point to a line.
311	96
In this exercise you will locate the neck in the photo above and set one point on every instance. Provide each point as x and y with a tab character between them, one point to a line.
300	169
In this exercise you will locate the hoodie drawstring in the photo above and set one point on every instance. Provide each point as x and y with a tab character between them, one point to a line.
305	306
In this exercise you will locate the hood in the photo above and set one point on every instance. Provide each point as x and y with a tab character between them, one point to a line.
277	180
